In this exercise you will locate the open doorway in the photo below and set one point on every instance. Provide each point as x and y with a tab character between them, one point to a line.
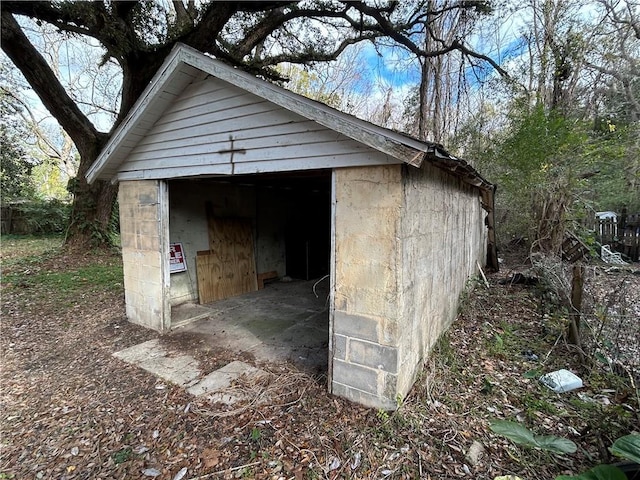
281	309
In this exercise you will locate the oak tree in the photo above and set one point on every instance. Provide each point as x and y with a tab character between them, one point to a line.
138	35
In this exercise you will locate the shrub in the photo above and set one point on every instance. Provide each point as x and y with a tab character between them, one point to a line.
37	217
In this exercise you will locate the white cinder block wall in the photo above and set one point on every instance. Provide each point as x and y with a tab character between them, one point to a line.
443	238
142	230
407	241
368	204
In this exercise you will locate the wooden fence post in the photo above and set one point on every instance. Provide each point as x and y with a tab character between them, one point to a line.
577	284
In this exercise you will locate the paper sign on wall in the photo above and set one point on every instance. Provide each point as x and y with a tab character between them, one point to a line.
177	262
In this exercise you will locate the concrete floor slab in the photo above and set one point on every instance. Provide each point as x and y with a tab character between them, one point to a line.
285	321
224	377
179	369
183	370
187	312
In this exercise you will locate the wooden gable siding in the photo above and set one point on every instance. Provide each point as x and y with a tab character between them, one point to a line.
136	129
214	127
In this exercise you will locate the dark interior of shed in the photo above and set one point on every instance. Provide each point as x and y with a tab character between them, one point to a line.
306	197
291	218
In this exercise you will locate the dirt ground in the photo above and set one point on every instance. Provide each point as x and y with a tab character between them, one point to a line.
70	410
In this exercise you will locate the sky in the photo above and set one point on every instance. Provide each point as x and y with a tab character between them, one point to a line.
389	72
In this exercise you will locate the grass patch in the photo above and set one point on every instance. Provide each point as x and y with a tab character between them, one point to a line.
445	352
504	342
35	263
21	249
91	277
537	402
123	455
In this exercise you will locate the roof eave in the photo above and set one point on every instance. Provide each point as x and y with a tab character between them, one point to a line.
399	146
160	80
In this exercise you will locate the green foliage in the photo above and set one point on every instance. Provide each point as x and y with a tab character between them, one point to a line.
49	181
521	435
41	217
256	434
446	352
83	220
536	404
504	342
600	472
382	415
15	169
554	171
627	447
536	163
532	374
539	142
310	85
15	164
122	456
487	386
100	236
617	163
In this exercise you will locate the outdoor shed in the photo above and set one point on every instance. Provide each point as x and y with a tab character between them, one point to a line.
244	180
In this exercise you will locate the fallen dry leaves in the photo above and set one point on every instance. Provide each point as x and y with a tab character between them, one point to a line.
70	410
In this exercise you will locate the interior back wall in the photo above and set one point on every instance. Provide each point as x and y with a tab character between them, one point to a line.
188	225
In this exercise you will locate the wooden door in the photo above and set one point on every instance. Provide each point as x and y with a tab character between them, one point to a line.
228	268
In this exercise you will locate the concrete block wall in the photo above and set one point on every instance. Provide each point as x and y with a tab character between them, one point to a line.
142	252
365	364
406	242
443	237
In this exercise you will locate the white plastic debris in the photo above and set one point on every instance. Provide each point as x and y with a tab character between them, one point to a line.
151	472
609	256
335	464
357	458
561	381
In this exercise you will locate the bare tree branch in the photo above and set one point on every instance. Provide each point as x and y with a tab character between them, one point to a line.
44	144
310	57
183	16
391	30
632	22
40	76
84	18
625	81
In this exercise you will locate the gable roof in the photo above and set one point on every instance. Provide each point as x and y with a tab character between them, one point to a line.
185	65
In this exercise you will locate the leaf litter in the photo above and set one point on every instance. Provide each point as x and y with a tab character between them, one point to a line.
70	410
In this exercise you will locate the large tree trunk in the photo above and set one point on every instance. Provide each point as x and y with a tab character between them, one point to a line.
90	223
92	204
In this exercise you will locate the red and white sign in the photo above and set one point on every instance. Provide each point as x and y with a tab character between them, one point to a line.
177	262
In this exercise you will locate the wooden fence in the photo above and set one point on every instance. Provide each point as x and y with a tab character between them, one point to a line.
13	220
623	238
630	243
